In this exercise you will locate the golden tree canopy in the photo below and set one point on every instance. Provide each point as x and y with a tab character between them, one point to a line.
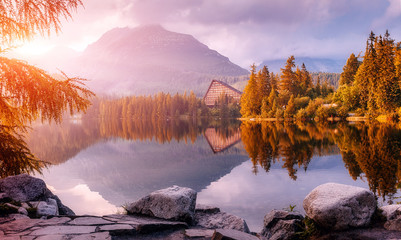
22	19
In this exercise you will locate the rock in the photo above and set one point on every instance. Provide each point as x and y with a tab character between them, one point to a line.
393	224
23	188
199	233
173	203
47	209
206	209
280	224
221	220
393	217
391	211
339	207
22	211
231	234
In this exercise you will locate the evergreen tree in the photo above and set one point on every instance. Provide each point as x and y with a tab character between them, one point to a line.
366	76
387	91
349	70
290	110
306	79
264	84
250	106
288	77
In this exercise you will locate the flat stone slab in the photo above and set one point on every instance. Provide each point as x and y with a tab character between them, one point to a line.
87	221
116	227
54	221
93	236
221	234
197	233
56	230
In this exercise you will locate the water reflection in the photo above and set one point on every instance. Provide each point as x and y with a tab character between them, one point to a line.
293	145
109	162
369	151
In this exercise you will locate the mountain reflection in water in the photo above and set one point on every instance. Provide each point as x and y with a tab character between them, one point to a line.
229	163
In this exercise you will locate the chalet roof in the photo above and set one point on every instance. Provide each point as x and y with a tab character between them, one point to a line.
222	83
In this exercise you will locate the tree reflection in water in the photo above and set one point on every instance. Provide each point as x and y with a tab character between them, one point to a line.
369	151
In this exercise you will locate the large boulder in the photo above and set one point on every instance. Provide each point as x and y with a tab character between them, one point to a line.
213	218
25	188
280	224
338	207
173	203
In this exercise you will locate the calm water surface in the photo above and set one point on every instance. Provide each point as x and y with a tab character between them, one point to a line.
248	169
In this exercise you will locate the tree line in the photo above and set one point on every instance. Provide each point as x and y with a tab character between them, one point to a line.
373	86
162	106
368	87
270	95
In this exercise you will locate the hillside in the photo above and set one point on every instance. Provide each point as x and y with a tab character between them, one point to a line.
150	59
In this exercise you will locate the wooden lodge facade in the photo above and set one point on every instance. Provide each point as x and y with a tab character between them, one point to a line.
217	88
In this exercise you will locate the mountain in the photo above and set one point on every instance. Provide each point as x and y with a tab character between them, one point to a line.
312	64
149	59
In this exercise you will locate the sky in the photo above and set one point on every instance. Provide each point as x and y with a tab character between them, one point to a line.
245	31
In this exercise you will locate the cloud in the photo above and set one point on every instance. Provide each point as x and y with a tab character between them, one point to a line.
246	31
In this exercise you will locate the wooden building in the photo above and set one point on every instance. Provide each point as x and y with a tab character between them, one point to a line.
218	142
216	89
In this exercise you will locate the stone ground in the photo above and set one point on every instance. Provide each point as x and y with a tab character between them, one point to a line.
124	227
119	227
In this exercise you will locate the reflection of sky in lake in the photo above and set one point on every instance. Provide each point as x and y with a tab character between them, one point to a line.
112	173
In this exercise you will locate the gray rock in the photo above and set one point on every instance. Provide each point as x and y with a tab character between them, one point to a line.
199	233
280	224
173	203
22	211
393	224
339	207
206	209
89	221
46	209
231	234
221	220
23	187
391	211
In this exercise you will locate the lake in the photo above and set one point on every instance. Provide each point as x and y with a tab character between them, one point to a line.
96	166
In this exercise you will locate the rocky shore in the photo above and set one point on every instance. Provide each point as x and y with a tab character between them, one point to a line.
28	210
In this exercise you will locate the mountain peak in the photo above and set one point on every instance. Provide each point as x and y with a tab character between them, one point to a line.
149	56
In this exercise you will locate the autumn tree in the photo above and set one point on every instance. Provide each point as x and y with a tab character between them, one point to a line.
27	92
250	104
349	70
288	77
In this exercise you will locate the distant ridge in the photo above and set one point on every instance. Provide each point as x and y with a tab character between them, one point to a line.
149	59
312	64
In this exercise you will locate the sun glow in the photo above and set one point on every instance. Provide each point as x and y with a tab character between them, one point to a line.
32	48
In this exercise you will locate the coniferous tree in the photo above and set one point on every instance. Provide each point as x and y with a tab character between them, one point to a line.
349	70
387	91
306	79
288	77
366	76
290	108
250	106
